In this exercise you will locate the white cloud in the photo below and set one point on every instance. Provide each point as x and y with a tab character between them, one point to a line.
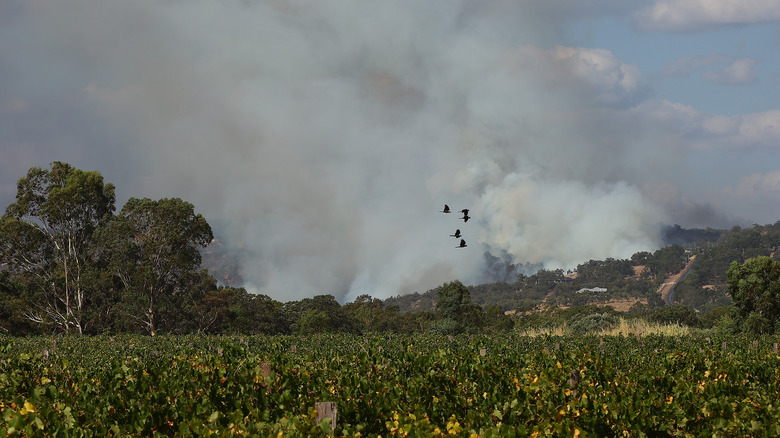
714	131
688	64
687	15
738	72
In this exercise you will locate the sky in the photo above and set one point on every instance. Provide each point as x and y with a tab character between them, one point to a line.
320	139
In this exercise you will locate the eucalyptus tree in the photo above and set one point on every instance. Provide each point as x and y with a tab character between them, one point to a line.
48	240
755	288
155	246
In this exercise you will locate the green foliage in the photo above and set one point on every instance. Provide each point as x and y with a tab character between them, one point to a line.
421	385
12	307
371	315
675	314
755	288
455	304
157	243
236	311
593	323
319	314
555	317
47	238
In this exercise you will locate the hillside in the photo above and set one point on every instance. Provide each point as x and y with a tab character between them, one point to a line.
643	281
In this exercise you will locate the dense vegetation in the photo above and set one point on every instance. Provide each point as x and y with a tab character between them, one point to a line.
389	385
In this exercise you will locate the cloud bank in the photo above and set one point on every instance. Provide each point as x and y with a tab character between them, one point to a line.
689	15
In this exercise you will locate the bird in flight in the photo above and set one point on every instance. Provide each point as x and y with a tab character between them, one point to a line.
465	211
446	209
457	234
462	244
466	217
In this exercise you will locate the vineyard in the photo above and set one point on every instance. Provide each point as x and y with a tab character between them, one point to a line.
390	386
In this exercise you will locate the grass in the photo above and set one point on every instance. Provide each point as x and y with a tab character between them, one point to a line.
625	327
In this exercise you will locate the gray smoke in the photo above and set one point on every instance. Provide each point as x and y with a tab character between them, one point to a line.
327	135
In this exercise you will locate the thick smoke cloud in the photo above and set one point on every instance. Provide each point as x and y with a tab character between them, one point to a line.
323	137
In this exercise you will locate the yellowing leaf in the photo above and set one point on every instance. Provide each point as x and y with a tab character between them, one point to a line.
28	407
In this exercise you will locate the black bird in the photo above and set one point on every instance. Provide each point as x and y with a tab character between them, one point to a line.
446	209
462	244
457	234
465	211
466	217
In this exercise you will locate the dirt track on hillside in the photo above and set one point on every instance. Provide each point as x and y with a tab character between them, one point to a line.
668	285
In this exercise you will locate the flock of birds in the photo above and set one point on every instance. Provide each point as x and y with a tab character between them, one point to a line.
465	218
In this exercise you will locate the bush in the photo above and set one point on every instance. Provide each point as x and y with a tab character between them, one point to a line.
446	326
595	322
757	324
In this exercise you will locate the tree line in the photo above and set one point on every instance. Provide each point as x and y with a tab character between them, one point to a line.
69	263
72	265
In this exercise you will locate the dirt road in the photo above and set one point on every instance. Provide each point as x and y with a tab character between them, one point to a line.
667	288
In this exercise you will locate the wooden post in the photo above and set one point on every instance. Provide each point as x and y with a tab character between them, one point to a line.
557	346
326	410
574	378
265	369
724	346
482	352
775	347
294	348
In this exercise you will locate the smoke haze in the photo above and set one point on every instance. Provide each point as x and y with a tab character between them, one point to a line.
322	138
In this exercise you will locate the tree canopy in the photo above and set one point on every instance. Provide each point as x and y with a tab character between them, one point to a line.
755	288
47	238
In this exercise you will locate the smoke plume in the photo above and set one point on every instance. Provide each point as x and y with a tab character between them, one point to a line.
322	138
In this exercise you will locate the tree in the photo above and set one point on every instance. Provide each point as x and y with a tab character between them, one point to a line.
236	311
12	304
322	313
755	288
373	316
47	238
455	304
156	253
675	314
667	260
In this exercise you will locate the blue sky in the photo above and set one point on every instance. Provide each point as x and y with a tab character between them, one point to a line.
318	135
695	53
